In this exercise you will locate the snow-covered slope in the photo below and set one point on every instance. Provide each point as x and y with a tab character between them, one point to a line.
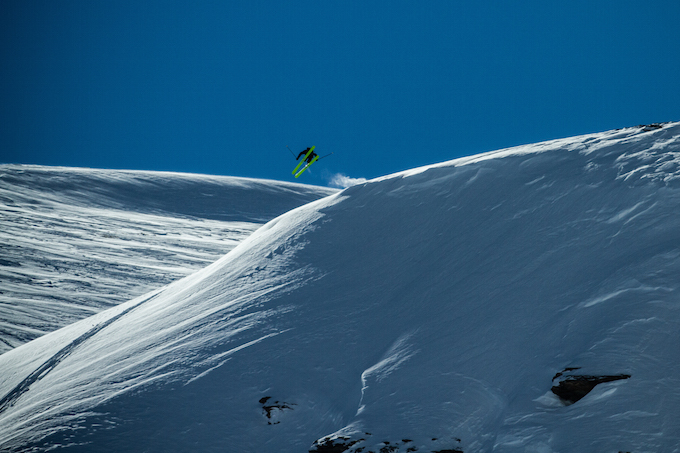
76	241
428	311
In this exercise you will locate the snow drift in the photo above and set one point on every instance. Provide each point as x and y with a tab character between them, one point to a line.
77	241
432	310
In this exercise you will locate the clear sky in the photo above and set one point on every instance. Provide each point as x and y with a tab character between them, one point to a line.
221	87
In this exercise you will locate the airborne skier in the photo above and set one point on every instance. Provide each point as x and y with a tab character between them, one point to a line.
309	156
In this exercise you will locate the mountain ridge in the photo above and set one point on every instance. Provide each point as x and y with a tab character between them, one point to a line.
431	310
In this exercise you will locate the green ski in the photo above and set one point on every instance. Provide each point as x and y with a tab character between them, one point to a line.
303	160
307	166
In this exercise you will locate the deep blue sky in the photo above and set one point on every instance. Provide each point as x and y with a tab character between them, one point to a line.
222	87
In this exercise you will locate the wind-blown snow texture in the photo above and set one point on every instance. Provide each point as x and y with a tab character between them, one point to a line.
426	311
76	241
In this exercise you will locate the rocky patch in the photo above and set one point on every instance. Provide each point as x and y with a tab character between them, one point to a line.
650	127
570	387
273	409
341	444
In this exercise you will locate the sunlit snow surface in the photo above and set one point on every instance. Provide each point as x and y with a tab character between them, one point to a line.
425	311
76	241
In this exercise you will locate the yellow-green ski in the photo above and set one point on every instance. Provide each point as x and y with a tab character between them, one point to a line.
307	166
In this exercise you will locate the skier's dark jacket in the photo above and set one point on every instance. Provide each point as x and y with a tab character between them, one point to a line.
311	156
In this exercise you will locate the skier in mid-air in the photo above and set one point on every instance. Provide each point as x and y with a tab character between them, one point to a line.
311	156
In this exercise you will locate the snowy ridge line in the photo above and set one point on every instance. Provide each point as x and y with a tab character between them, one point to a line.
586	143
426	312
8	400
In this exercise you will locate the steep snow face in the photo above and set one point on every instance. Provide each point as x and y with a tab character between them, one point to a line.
77	241
429	311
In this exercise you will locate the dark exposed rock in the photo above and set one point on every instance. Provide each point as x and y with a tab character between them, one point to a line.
571	388
331	446
269	408
342	444
650	127
389	448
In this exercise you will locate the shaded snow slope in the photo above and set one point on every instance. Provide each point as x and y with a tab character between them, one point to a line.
76	241
428	311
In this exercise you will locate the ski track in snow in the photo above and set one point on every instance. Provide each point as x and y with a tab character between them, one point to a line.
53	361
